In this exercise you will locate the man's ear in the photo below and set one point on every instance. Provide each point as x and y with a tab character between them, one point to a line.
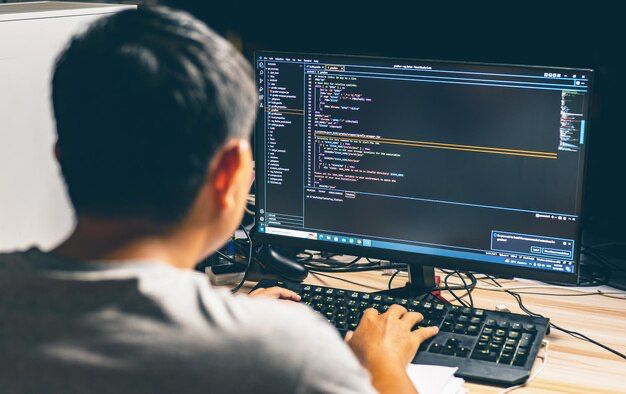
230	172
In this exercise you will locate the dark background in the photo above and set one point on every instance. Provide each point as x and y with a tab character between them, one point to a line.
543	33
547	33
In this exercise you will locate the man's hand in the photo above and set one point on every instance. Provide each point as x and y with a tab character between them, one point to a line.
385	344
276	292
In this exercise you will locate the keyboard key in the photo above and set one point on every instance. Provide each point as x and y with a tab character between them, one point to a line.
488	331
475	320
453	342
510	342
508	349
514	334
481	345
485	355
446	326
460	328
472	330
462	352
490	323
520	357
526	341
435	348
448	350
530	328
500	333
519	360
505	325
505	359
516	327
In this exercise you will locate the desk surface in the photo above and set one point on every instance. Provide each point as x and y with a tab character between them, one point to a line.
574	366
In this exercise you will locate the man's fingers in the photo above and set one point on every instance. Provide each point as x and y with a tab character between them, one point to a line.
348	336
370	312
423	333
276	292
395	311
286	294
412	318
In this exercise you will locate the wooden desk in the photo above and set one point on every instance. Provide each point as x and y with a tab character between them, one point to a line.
574	366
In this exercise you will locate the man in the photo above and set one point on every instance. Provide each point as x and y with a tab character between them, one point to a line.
153	114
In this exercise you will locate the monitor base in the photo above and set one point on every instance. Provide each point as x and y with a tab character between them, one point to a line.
421	280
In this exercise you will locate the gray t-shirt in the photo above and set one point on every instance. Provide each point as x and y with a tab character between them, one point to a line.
147	327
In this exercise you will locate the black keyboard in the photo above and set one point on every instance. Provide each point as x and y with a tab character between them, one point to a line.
486	346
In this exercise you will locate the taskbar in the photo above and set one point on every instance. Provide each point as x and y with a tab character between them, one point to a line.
542	262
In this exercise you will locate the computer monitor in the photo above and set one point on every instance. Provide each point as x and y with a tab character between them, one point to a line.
466	166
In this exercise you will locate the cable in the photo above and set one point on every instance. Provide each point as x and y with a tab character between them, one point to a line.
392	278
546	344
334	263
468	288
500	288
226	257
578	335
309	257
445	281
245	272
355	269
578	292
569	332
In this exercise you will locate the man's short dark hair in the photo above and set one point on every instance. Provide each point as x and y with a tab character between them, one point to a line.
143	100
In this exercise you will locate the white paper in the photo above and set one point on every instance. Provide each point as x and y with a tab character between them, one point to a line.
434	379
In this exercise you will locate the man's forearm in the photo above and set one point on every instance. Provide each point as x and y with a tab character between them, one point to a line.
388	379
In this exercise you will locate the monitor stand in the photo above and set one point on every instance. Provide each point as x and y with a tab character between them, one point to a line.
421	281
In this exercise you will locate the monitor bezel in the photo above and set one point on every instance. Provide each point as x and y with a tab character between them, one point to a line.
412	258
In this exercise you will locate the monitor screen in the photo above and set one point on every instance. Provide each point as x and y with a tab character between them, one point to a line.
468	166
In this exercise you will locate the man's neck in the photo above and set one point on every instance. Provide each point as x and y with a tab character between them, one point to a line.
130	240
